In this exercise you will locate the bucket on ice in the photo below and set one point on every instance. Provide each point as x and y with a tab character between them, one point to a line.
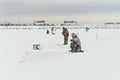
36	47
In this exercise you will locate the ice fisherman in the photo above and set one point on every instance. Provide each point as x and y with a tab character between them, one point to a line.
52	30
86	29
75	43
65	33
47	31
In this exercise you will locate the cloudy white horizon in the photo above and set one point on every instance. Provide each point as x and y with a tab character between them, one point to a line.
92	9
58	7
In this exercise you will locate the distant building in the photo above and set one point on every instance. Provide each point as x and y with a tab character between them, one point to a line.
112	23
69	23
40	23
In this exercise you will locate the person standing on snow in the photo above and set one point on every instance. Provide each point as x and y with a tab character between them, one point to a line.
52	30
86	29
47	31
65	33
76	44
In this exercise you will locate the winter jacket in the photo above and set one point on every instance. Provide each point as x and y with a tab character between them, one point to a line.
76	39
65	32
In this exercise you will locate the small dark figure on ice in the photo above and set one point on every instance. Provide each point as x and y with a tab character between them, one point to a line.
65	33
75	44
52	30
86	29
47	31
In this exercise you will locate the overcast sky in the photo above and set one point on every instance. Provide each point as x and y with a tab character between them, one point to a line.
58	7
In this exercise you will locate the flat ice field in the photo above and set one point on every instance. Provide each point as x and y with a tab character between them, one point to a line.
100	60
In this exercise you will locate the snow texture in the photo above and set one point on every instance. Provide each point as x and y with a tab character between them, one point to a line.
100	60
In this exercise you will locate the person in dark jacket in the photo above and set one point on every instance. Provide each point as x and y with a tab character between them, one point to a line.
47	31
65	33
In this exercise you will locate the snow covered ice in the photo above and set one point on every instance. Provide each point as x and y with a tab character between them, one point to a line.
100	60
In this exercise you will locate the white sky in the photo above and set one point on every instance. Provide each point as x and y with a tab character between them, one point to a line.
58	7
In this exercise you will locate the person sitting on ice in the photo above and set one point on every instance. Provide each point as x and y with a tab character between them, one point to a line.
75	43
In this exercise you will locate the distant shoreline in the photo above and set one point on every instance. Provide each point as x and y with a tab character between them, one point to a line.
59	27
